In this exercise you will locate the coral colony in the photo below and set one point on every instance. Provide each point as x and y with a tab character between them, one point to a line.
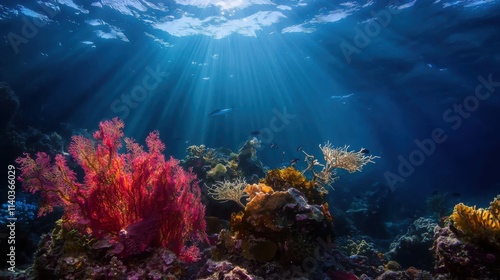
132	201
131	214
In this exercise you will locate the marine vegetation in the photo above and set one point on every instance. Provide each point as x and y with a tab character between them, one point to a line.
135	200
275	225
468	247
478	225
285	178
212	165
285	213
336	158
228	191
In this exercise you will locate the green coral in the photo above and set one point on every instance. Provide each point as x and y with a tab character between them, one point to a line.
218	172
71	240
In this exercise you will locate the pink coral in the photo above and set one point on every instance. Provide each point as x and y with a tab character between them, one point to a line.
138	198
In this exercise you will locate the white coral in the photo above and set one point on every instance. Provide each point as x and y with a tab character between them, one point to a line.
228	191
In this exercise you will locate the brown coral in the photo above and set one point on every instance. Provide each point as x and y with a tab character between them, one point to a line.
478	224
286	178
263	206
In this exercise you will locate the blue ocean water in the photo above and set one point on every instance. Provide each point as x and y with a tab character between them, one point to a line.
414	82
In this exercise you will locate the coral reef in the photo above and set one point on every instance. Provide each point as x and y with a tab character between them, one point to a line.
220	164
409	274
221	171
262	210
478	225
286	214
283	179
363	249
458	259
134	201
468	247
65	254
222	270
275	225
412	248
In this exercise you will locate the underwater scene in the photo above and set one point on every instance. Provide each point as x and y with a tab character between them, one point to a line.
250	139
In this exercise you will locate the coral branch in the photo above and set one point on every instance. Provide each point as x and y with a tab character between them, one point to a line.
228	191
138	198
336	158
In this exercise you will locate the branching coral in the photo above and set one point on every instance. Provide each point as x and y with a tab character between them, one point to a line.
138	199
228	191
336	158
479	224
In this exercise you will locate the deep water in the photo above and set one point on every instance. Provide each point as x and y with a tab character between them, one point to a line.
416	83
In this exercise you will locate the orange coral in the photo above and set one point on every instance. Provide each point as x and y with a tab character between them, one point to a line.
478	224
254	189
326	212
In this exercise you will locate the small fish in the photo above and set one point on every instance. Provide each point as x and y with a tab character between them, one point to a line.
273	146
294	161
255	133
365	151
299	148
64	153
341	97
177	138
221	112
283	157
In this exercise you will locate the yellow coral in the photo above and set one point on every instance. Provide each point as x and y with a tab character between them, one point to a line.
478	224
217	172
286	178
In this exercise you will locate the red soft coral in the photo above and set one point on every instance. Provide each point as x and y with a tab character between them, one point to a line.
138	198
